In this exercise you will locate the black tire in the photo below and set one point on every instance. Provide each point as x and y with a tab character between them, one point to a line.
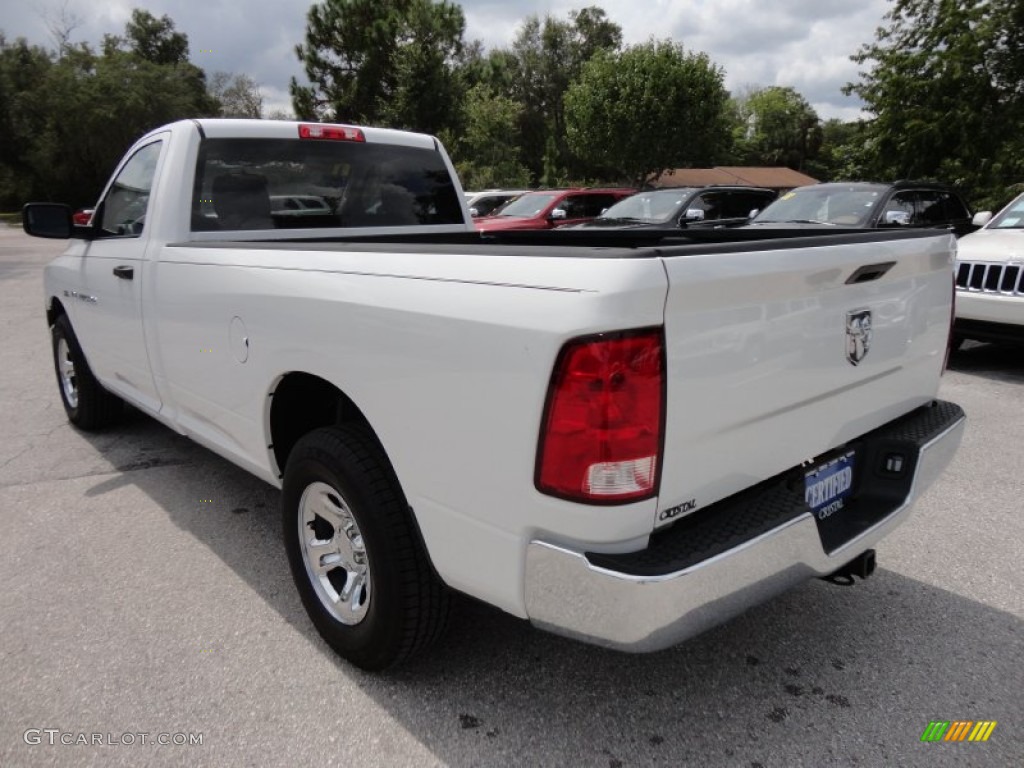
407	607
88	405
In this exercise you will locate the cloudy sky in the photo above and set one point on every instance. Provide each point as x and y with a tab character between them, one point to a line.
805	44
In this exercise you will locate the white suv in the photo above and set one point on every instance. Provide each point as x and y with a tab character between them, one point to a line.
990	278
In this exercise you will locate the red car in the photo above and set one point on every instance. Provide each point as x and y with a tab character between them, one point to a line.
546	209
83	217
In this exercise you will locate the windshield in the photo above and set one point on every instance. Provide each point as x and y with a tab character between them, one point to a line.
527	206
653	207
1011	217
845	206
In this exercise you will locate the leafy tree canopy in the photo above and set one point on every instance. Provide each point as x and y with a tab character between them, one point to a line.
66	121
776	126
377	62
945	83
646	110
547	55
486	150
150	38
238	95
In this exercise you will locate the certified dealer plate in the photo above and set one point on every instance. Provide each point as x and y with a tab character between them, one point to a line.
827	487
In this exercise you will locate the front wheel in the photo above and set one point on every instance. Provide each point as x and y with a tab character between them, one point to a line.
88	405
363	575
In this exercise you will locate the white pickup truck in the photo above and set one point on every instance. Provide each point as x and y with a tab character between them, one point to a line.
625	438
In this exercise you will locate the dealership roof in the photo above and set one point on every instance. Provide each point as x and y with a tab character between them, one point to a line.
773	178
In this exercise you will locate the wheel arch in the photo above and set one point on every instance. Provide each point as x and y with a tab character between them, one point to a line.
298	403
54	309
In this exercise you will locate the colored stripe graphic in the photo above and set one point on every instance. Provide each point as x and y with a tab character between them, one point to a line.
935	731
982	730
958	730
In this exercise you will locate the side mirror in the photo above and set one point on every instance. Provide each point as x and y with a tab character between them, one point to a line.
52	220
693	214
981	218
897	218
558	213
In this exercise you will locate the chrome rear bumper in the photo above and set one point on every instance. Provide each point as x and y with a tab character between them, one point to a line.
569	595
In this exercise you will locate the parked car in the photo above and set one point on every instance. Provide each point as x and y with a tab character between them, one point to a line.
990	278
82	216
869	205
485	203
685	207
299	206
551	208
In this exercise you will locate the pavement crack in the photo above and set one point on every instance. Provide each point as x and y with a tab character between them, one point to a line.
16	456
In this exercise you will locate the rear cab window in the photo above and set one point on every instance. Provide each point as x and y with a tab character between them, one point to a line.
246	184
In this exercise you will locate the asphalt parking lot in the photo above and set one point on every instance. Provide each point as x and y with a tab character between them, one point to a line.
144	590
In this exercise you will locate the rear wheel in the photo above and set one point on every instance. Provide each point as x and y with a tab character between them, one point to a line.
88	405
354	552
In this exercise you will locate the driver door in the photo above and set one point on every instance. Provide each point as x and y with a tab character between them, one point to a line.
109	320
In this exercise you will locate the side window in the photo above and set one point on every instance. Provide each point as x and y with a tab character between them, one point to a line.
575	206
899	211
711	203
597	203
929	208
124	207
731	204
954	207
738	205
759	202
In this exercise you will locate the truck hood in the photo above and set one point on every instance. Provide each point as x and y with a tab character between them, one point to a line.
992	245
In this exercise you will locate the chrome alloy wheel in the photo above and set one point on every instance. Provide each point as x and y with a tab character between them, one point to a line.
66	371
333	553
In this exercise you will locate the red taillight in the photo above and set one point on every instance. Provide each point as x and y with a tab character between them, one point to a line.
330	132
601	435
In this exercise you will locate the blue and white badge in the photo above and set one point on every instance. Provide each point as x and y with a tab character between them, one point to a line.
827	487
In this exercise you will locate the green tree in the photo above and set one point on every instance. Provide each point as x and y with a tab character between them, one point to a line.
374	62
114	98
843	155
484	151
67	121
151	39
23	68
646	110
945	83
238	95
776	126
547	56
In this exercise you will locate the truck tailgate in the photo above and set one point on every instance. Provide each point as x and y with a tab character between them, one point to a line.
780	352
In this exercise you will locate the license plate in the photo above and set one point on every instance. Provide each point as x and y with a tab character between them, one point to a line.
827	487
